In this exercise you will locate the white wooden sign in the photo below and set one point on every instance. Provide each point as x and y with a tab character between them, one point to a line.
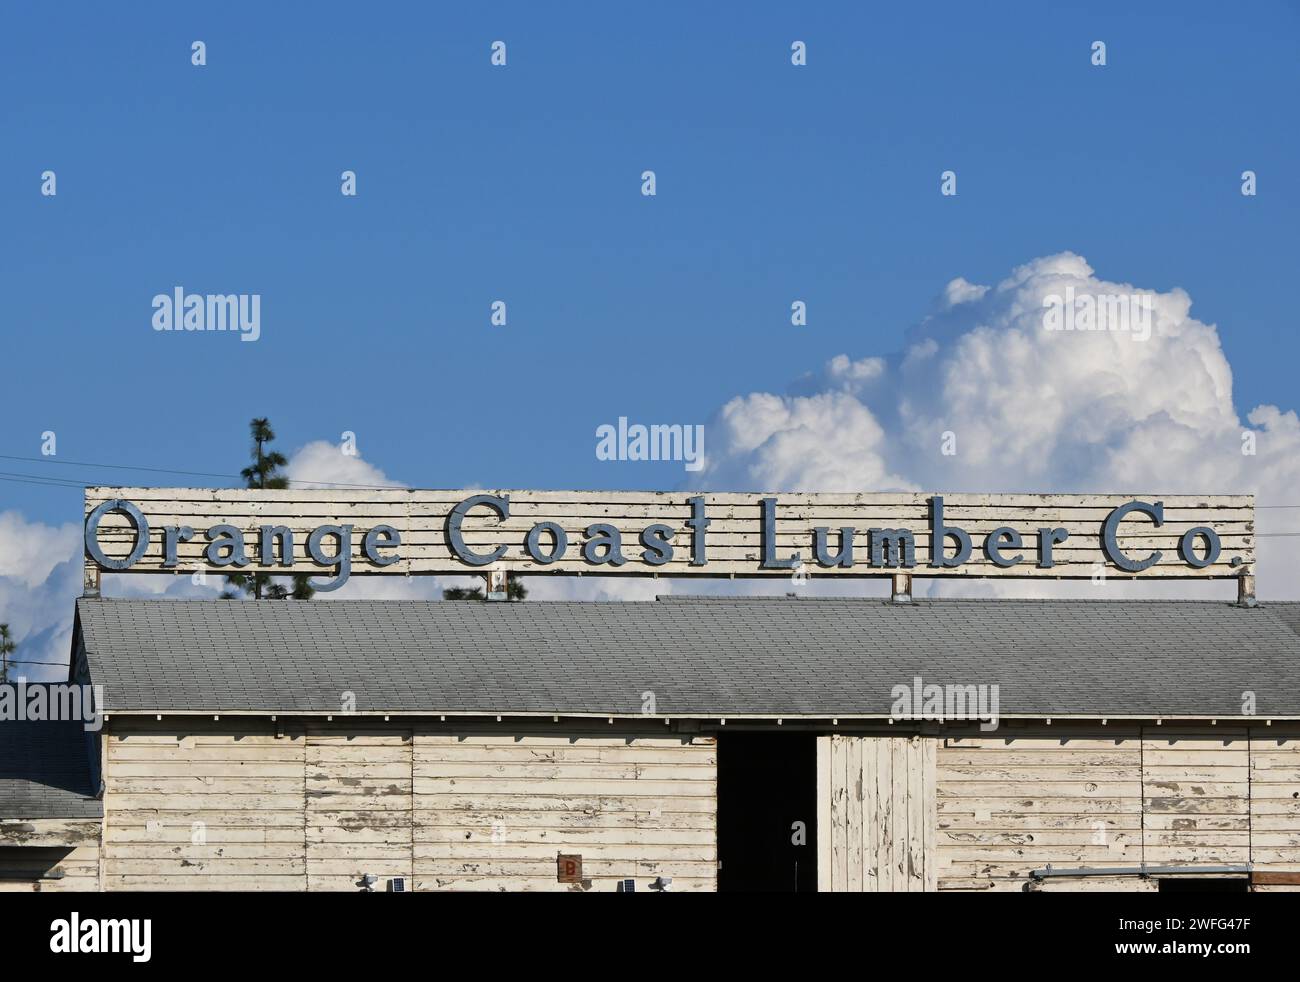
337	534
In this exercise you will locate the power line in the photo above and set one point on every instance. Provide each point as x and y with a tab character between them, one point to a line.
119	467
48	482
78	482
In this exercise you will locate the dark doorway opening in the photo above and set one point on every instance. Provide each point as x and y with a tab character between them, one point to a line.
1204	884
767	812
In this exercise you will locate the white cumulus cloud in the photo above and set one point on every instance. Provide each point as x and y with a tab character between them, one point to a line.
1029	410
321	464
40	577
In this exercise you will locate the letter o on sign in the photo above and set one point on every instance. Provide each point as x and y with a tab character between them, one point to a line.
138	522
1187	547
533	543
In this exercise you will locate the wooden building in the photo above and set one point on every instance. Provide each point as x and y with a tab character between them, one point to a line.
897	744
713	743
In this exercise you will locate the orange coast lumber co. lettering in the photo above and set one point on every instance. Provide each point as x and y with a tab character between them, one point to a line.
338	533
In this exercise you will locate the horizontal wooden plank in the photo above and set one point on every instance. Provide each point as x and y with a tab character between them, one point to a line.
209	754
200	801
1036	745
69	884
212	881
544	771
1044	822
545	868
344	878
1275	878
527	753
212	834
510	850
540	884
451	496
324	756
396	852
176	785
208	852
1046	838
50	832
1031	857
495	798
1044	789
1024	804
144	731
196	869
575	736
1094	884
1236	790
976	774
198	770
184	814
988	870
1197	854
509	832
953	758
524	785
1193	822
436	820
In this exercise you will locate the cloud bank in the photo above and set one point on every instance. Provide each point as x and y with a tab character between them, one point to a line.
1025	409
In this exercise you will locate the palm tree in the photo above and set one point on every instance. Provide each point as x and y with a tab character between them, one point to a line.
515	590
6	647
264	472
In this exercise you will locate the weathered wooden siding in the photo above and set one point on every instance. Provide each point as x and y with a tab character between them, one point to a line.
230	805
32	848
492	810
878	818
204	807
358	815
1159	795
1010	805
1275	804
1196	797
734	540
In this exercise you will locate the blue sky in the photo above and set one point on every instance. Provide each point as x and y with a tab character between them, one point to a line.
522	183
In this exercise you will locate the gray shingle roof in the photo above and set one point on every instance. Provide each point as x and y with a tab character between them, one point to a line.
45	771
734	657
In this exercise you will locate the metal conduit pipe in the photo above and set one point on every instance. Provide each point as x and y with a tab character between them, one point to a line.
1143	870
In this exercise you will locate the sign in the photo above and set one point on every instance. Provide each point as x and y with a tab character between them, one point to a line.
568	869
337	534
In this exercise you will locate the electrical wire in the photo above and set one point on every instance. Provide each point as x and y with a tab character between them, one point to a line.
158	470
